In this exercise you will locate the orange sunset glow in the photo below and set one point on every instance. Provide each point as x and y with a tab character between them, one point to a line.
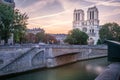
56	16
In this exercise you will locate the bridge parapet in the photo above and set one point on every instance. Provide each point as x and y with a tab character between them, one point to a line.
113	51
113	70
75	46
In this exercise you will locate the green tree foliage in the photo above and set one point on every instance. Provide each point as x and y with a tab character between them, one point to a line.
109	31
19	26
77	37
12	21
6	21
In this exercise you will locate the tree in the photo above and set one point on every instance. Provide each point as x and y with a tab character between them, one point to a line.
49	39
12	21
20	22
6	20
109	31
76	36
40	36
30	37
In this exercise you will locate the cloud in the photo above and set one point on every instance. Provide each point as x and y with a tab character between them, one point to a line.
33	5
26	3
57	15
52	15
105	2
41	7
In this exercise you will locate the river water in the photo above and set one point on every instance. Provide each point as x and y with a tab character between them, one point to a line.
82	70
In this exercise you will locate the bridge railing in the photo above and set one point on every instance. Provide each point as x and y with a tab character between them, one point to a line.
113	70
113	51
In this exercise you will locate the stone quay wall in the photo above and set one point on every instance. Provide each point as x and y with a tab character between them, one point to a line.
21	61
60	55
49	56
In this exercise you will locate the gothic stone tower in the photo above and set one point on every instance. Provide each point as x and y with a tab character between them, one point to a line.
78	18
90	26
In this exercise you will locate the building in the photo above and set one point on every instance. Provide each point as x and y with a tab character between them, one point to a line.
89	26
8	2
12	4
35	30
60	37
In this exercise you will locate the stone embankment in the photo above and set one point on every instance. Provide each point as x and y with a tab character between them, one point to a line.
15	60
111	73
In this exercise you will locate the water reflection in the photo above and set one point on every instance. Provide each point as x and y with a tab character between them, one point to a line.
95	69
83	70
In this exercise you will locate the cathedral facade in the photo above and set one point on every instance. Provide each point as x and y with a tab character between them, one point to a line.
89	26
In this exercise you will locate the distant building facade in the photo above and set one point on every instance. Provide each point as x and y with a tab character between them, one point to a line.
60	37
89	26
35	30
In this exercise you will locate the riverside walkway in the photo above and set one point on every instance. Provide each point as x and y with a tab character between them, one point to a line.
111	73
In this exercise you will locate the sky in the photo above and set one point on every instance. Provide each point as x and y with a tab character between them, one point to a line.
56	16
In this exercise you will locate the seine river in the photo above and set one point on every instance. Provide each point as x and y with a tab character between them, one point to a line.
82	70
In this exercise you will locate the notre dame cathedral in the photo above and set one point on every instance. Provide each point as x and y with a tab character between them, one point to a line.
89	26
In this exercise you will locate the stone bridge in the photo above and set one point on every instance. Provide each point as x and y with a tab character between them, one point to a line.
25	59
21	61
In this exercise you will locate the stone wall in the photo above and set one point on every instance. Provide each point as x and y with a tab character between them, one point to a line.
31	59
61	60
8	56
60	55
24	59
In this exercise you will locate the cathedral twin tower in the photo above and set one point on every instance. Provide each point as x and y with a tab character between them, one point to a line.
89	26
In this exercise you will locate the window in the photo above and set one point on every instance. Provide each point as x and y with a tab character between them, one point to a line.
84	29
92	30
10	1
92	14
1	61
76	16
